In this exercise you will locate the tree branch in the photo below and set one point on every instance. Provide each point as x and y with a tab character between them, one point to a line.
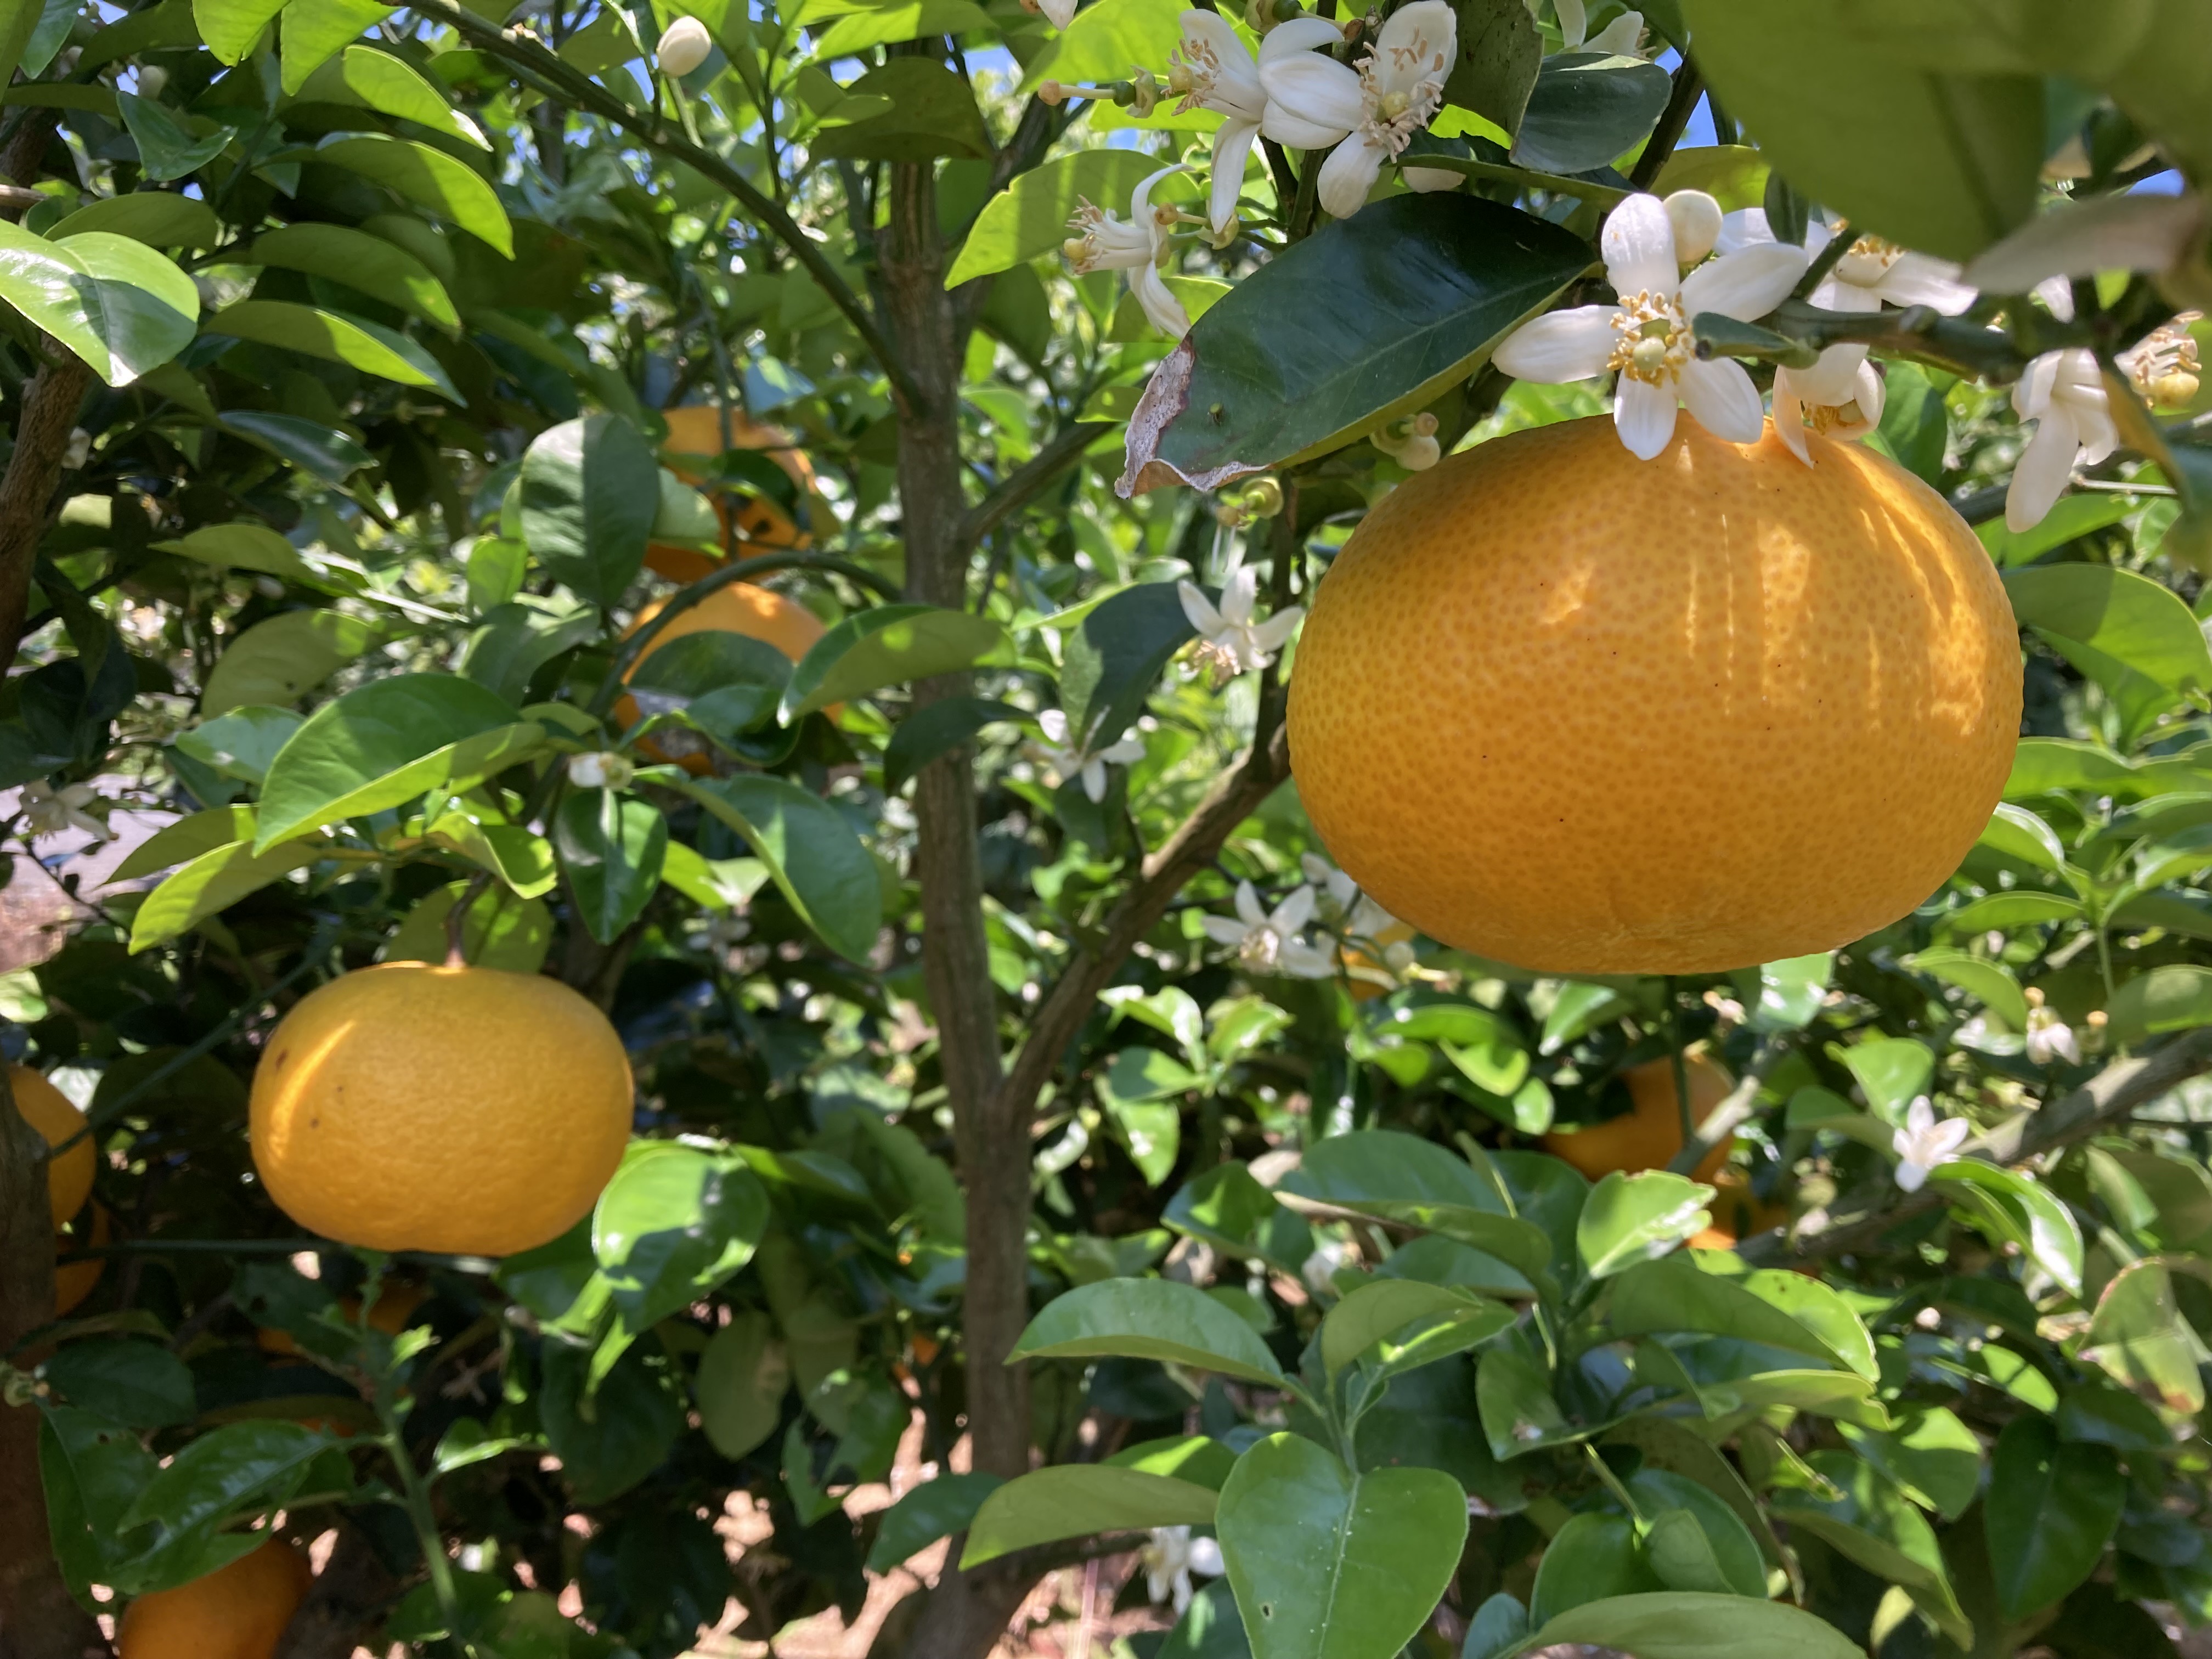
545	73
1733	1113
1027	482
2104	1102
1671	121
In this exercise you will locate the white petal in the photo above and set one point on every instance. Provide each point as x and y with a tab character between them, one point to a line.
1348	174
1920	1116
1300	34
1319	89
1790	415
2031	393
1697	220
1638	245
1054	724
1224	930
1294	912
1741	228
1140	202
1270	634
1745	284
1918	280
1239	593
1231	145
1295	131
2057	297
1870	393
1127	752
1574	22
1247	906
2039	477
1160	306
1721	399
1644	413
1833	380
1094	779
1303	961
1559	346
1205	1557
1911	1177
1416	44
1059	13
1832	293
1948	1136
1318	869
1624	36
1236	88
1197	609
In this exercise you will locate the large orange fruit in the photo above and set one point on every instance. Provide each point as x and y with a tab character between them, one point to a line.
55	1115
416	1107
1648	1136
695	442
74	1280
758	613
237	1611
1590	714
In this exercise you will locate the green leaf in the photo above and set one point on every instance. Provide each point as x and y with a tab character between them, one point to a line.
142	1384
501	930
611	846
315	333
449	189
385	743
2132	635
1591	1557
891	645
1076	1499
330	454
1717	1547
1914	427
1683	1625
1934	1458
1114	656
936	1508
1394	309
1210	1628
1682	1557
1189	1457
744	1375
2018	1209
216	1474
2015	833
933	113
1676	1295
1869	1521
1587	108
158	218
1387	1163
671	1225
591	490
937	729
2071	518
278	661
1327	1563
512	641
1385	1307
2175	997
2143	1341
812	855
361	261
1892	1070
1630	1218
247	546
2052	1506
380	80
1791	992
1500	55
1990	983
240	745
167	148
115	302
1519	1413
186	839
905	20
1149	1319
1947	163
231	27
312	32
1029	218
211	883
609	1441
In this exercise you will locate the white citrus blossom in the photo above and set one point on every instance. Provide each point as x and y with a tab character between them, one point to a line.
1170	1559
2050	1038
1369	113
1140	246
1059	13
1072	760
1841	396
2064	393
2162	366
1268	943
1357	913
1623	37
683	46
1646	335
1925	1142
1231	642
604	770
50	811
1211	68
1319	1270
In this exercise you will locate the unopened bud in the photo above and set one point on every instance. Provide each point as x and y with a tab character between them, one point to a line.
1696	218
683	46
1263	498
600	770
1419	453
2097	1019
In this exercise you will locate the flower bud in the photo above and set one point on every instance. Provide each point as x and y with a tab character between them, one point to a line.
600	770
683	46
1263	498
1696	218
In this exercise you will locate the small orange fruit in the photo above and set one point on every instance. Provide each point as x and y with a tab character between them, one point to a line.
418	1107
1648	1136
74	1280
1588	714
237	1611
55	1115
695	443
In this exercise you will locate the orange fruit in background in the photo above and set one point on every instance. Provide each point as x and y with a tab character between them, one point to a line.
418	1107
237	1611
1648	1136
1590	714
74	1280
55	1115
395	1307
695	432
758	613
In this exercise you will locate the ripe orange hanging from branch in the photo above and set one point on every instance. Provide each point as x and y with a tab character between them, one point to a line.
694	448
237	1611
55	1115
413	1107
1590	714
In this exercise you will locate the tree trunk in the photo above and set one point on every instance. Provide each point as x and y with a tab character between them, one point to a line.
39	1620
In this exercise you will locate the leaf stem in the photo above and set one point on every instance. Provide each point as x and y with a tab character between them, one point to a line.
1613	1482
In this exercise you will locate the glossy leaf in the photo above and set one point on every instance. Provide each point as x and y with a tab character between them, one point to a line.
1630	1218
891	645
936	1508
168	147
1682	1624
2018	1209
1519	1413
231	27
241	744
386	82
590	491
612	846
1675	1295
1385	1307
2172	997
214	1473
361	261
1442	277
315	331
324	450
1934	1458
140	1384
2052	1505
1149	1319
1587	108
1705	1540
1029	218
1891	1071
2140	1337
1869	1521
2132	635
672	1224
501	930
211	883
448	188
1114	657
159	218
812	855
933	113
1330	1564
186	839
1074	1500
1593	1557
622	1434
115	302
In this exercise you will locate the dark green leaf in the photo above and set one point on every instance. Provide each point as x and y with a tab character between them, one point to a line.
1500	54
1149	1319
1395	307
590	491
314	331
1496	1630
167	148
672	1224
1630	1218
359	261
609	1441
332	455
2052	1505
241	744
612	846
1592	1557
449	188
156	217
744	1375
1114	657
937	729
1074	1500
513	642
1868	1520
935	1509
1705	1540
222	1470
1029	216
1586	109
891	645
2132	635
1683	1625
142	1384
1934	1458
933	113
812	854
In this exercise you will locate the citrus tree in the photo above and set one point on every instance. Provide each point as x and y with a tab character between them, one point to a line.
694	626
